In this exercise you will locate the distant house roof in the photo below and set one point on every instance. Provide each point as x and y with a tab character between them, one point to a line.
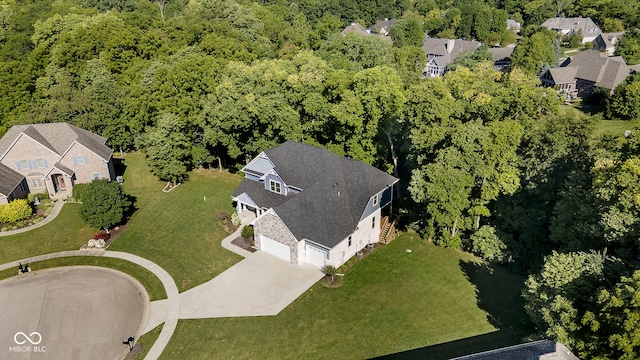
57	137
537	350
9	179
501	54
445	51
382	27
609	39
335	191
593	66
512	24
357	29
588	27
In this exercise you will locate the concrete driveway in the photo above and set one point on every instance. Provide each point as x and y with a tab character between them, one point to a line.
70	313
259	285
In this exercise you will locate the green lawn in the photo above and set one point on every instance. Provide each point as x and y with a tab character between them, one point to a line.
179	230
615	127
151	283
390	302
66	232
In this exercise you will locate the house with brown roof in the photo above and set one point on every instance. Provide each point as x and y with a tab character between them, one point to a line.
313	206
580	75
568	26
442	52
381	29
52	158
606	42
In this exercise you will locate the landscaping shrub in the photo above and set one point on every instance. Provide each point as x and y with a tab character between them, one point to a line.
15	211
247	232
79	191
103	235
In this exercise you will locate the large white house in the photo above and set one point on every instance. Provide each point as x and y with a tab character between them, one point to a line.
313	206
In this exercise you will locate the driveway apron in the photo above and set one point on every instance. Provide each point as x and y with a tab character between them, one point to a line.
259	285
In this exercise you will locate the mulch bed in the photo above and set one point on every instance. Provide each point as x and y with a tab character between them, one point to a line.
243	243
170	186
114	233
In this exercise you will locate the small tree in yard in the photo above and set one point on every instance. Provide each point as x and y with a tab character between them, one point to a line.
330	270
104	204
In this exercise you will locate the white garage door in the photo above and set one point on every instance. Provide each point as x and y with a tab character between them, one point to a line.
275	248
315	256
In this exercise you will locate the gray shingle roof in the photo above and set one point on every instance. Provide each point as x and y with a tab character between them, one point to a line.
335	191
501	53
9	179
444	51
382	26
355	28
537	350
58	137
588	27
594	66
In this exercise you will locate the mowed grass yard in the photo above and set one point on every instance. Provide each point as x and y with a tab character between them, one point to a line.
390	302
66	232
179	230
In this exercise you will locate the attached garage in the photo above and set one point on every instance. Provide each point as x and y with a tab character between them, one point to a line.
315	256
276	248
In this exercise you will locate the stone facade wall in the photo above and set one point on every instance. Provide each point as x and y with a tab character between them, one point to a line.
272	227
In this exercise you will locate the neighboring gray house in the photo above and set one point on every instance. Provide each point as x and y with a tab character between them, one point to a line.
606	42
514	25
580	75
313	206
442	52
501	57
50	157
536	350
382	27
567	26
356	28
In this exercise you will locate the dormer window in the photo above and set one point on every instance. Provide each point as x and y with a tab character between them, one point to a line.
375	199
275	186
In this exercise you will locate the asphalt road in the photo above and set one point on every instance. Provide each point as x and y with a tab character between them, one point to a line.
70	313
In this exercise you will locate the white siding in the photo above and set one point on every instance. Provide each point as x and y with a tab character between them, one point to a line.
363	235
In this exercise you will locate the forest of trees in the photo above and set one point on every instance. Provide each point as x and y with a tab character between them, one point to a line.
489	162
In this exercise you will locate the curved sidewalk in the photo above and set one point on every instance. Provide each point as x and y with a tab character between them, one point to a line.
173	301
55	210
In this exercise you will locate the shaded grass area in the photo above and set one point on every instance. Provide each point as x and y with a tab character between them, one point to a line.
151	283
615	127
391	301
179	230
66	232
147	340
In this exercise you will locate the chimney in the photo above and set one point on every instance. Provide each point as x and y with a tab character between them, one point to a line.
449	45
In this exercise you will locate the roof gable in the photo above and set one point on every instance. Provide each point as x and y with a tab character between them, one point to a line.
335	191
57	137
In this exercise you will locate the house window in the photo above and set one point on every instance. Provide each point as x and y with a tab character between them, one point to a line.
373	222
42	163
96	176
80	160
23	165
22	186
349	241
37	183
274	186
375	199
